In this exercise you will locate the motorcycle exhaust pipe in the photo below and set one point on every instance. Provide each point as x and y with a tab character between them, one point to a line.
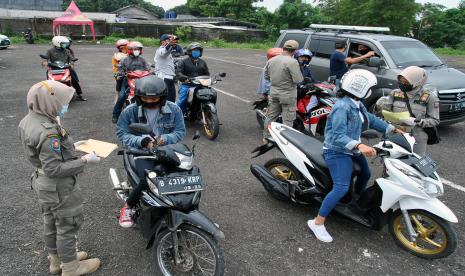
270	183
117	185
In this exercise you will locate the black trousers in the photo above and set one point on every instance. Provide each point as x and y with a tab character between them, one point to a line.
75	82
171	90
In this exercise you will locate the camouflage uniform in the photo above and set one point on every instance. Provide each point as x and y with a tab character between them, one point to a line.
51	151
425	107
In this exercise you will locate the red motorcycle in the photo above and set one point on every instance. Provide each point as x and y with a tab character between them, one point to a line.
59	71
132	77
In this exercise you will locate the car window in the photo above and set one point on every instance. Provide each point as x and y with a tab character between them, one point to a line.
299	37
313	45
411	53
324	49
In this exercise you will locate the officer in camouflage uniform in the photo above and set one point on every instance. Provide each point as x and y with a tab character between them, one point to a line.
50	150
283	73
423	102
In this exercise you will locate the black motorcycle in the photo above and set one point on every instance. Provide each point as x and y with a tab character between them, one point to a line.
28	36
184	240
201	104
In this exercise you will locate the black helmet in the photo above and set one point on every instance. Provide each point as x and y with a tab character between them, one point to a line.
151	86
192	46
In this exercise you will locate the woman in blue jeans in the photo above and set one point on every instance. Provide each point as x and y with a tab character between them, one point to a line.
342	145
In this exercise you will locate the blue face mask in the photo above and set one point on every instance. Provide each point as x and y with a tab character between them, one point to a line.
63	110
196	54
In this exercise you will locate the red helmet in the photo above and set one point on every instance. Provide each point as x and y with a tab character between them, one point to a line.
134	45
121	42
272	52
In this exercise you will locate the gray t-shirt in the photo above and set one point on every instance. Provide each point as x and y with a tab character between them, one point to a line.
152	119
164	63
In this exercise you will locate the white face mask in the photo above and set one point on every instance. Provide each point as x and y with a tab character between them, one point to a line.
136	53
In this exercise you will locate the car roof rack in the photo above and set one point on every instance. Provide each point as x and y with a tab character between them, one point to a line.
347	28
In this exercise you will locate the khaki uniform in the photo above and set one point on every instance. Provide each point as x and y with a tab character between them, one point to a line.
425	107
284	74
51	151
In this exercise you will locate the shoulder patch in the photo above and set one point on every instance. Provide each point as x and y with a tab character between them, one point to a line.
48	125
436	104
55	144
424	97
53	135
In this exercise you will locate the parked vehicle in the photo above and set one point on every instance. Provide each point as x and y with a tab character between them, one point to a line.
184	240
4	42
393	53
405	197
28	36
314	121
59	71
201	104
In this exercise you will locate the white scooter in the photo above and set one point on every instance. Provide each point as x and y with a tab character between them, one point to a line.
405	197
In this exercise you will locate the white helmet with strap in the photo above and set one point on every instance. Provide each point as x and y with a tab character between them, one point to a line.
358	82
58	40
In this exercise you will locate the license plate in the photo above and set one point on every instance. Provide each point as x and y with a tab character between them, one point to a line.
426	165
457	106
179	184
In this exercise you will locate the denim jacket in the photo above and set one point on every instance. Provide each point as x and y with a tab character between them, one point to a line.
344	126
170	125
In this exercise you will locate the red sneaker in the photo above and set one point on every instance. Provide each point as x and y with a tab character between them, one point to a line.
125	217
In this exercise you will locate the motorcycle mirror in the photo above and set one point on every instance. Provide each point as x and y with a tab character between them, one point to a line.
196	135
374	62
140	128
43	56
74	59
222	74
370	134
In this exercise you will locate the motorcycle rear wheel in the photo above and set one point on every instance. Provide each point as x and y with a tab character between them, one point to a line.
281	169
436	238
191	241
212	125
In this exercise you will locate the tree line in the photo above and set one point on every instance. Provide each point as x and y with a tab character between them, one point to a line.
433	24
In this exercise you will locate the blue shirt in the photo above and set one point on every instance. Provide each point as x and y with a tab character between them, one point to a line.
337	65
344	125
170	125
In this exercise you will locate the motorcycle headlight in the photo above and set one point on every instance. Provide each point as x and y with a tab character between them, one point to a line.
205	82
186	161
428	185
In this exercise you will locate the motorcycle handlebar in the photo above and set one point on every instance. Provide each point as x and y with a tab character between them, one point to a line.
139	152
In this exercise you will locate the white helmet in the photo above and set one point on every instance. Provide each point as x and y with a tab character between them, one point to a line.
59	40
358	82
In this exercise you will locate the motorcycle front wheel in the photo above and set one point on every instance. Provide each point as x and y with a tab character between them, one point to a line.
200	253
436	238
211	125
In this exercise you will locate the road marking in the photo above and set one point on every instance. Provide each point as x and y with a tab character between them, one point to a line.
233	62
453	185
232	95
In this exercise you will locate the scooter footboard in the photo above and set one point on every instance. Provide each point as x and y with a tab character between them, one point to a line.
434	206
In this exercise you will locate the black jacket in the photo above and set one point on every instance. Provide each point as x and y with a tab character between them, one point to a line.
190	68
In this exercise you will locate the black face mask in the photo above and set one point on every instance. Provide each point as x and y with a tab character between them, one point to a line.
363	52
405	87
150	105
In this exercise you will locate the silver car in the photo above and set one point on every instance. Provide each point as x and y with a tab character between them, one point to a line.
4	42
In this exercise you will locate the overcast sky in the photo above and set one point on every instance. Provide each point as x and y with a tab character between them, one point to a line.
273	4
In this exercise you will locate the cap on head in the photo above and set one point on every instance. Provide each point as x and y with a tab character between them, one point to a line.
291	45
164	37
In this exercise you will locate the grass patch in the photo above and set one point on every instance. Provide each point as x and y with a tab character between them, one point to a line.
449	52
21	40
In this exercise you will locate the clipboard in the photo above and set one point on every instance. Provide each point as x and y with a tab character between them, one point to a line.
101	148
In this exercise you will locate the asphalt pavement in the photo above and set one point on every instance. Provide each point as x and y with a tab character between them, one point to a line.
263	236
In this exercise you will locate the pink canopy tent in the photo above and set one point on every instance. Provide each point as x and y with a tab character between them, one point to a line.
73	16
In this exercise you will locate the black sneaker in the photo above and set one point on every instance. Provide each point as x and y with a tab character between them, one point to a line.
81	98
114	120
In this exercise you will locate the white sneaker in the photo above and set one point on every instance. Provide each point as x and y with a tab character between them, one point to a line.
319	231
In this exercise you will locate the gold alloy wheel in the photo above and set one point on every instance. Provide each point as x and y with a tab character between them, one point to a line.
282	172
431	240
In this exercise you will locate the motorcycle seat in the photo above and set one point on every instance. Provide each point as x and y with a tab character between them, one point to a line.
313	149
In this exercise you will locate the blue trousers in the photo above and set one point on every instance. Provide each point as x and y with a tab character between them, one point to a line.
340	167
123	95
183	94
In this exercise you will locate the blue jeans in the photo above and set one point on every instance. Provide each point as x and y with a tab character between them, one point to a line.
340	167
183	94
123	95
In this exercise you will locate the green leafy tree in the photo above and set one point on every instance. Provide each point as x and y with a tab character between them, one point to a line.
399	15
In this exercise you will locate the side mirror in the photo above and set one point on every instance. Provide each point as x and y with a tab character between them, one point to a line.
223	74
374	62
370	134
43	56
74	59
196	135
140	128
